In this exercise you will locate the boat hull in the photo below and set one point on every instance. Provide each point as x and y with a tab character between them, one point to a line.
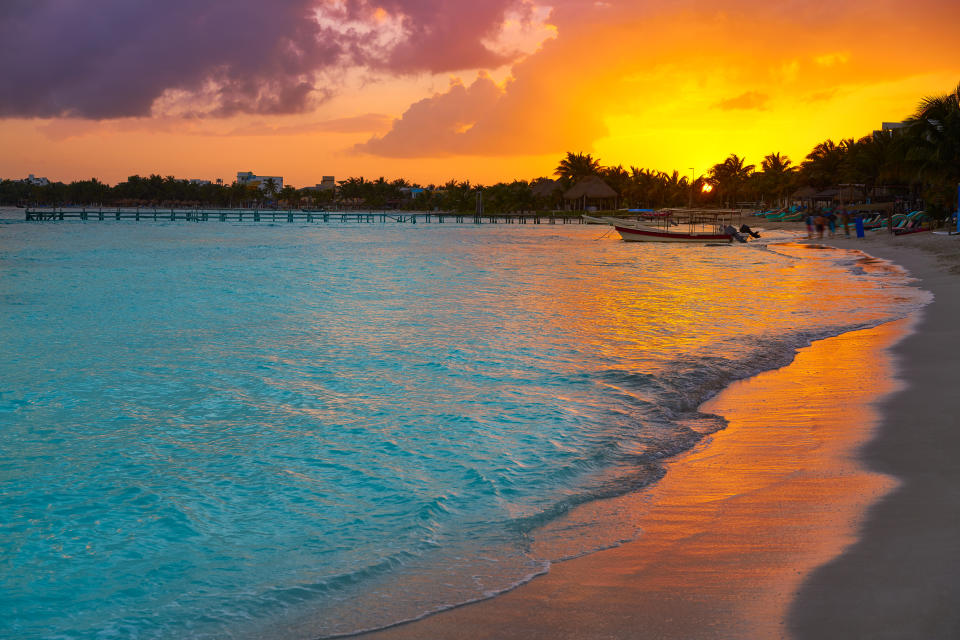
642	234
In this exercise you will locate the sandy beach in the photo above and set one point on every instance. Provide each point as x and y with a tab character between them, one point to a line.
900	579
827	509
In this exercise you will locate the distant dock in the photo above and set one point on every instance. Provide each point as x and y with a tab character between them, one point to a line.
295	216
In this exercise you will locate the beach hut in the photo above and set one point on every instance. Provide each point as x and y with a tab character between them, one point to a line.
837	195
591	193
548	192
804	195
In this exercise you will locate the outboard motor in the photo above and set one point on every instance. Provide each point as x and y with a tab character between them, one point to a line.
750	232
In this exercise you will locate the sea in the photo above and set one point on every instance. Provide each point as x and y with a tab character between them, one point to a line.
249	430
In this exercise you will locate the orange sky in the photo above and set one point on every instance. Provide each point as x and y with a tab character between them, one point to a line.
631	82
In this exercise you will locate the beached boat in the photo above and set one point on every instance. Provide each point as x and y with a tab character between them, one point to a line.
642	233
645	215
595	220
702	226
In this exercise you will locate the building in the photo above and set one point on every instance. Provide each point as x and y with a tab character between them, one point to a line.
199	182
327	184
888	127
248	177
35	181
591	194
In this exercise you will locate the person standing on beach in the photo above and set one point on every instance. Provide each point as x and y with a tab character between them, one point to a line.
820	222
845	219
810	225
832	222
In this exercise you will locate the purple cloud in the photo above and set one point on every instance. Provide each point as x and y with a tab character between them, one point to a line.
455	30
115	58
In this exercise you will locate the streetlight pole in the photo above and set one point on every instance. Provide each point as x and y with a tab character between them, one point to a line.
692	180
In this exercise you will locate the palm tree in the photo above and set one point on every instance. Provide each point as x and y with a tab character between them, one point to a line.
777	174
271	188
644	188
352	190
289	195
577	166
676	188
618	179
776	163
875	159
237	194
933	133
730	175
823	166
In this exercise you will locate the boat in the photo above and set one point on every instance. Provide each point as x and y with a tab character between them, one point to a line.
643	233
695	225
637	215
595	220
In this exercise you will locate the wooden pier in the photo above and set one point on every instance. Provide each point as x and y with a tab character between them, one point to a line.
301	216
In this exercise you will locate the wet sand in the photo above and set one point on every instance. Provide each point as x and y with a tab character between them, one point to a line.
784	524
902	577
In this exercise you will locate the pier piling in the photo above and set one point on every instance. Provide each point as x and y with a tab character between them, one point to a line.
304	216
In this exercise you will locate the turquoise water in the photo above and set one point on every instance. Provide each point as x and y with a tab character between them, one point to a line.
214	430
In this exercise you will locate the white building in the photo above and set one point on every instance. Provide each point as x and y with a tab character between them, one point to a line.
199	182
248	177
888	127
35	181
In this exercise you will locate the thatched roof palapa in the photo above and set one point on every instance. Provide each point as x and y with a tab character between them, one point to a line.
839	193
831	193
804	193
545	188
591	187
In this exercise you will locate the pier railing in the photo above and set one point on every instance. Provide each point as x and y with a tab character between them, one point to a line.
295	215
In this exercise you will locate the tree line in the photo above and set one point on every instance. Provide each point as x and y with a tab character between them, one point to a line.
919	161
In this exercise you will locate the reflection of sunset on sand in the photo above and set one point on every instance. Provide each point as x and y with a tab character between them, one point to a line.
734	527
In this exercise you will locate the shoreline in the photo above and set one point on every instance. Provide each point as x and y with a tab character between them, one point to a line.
780	579
901	579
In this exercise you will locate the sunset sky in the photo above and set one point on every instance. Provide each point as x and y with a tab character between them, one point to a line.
484	90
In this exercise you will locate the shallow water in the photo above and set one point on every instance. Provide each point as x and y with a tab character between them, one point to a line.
214	430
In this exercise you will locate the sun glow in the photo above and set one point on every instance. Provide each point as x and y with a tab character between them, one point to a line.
562	77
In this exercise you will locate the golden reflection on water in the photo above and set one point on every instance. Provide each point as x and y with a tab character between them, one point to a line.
728	535
676	300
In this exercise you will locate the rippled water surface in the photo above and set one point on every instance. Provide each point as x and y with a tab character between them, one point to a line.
214	430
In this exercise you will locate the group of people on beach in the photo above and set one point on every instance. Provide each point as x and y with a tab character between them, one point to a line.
820	221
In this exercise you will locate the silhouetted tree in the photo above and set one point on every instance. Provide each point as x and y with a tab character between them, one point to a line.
576	166
729	177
